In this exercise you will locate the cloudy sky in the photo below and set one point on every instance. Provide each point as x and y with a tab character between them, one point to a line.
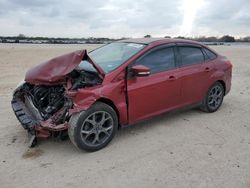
124	18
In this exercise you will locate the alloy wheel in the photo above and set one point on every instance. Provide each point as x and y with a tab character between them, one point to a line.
97	128
215	97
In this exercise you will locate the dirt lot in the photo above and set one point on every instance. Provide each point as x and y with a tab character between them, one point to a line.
184	149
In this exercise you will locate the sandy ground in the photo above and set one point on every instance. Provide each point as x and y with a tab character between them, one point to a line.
184	149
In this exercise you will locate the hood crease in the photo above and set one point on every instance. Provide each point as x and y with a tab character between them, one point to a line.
54	71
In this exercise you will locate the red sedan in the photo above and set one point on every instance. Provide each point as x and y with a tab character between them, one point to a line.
90	95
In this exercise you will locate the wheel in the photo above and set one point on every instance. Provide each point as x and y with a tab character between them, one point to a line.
94	128
214	98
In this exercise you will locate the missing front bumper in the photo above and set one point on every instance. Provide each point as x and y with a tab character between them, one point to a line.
28	116
24	117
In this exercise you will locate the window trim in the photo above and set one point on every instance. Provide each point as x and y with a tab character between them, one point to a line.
163	46
180	62
209	59
205	55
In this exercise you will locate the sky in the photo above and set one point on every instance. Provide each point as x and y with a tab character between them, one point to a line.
124	18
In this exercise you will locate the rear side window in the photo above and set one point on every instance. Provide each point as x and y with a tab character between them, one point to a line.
210	54
191	55
158	60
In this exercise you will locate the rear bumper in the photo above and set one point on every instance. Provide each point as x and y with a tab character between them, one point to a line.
228	81
228	88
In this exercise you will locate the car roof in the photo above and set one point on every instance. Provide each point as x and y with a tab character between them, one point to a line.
158	41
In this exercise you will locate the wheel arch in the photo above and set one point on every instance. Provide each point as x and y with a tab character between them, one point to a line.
219	76
111	104
223	84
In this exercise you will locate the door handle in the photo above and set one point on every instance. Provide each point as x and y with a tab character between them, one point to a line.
171	78
207	69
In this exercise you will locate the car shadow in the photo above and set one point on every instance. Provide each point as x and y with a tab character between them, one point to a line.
165	119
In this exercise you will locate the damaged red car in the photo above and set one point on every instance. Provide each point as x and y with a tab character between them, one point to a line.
88	96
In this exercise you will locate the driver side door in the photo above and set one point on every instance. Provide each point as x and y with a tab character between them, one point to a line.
158	92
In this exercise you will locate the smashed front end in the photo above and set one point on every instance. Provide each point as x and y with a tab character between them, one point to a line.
44	103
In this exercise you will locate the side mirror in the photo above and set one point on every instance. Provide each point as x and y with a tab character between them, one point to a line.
140	70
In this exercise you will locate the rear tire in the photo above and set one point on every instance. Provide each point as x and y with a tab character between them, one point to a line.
213	98
94	128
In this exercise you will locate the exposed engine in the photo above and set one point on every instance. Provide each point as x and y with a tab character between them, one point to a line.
82	79
50	99
44	103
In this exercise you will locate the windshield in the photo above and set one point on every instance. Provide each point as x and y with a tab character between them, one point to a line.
111	56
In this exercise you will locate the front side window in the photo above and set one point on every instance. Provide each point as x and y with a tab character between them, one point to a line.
191	55
111	56
158	60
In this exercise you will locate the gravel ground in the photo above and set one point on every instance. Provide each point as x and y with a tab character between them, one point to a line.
183	149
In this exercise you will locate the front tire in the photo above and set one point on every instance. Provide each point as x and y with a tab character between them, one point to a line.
214	98
94	128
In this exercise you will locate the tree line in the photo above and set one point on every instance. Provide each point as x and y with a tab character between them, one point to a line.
225	38
53	40
20	37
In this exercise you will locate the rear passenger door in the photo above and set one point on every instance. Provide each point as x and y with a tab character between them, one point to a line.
195	73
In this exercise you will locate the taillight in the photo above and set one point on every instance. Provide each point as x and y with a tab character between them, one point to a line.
228	62
225	60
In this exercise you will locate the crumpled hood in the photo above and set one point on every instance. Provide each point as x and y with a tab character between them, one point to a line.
55	70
